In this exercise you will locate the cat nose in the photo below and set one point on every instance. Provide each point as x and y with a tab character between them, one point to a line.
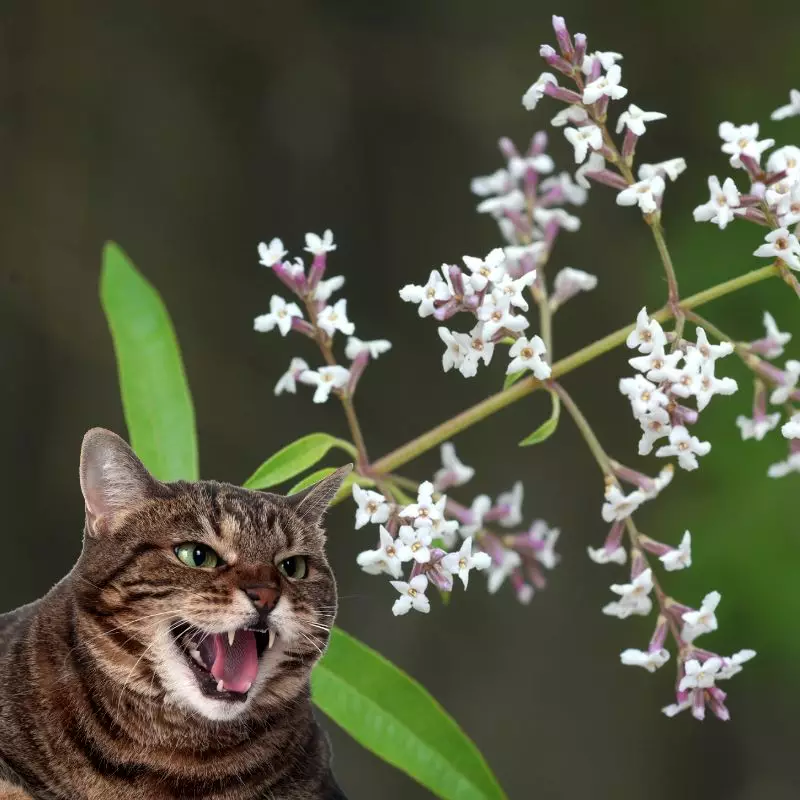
264	597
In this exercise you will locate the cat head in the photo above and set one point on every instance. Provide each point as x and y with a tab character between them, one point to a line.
201	595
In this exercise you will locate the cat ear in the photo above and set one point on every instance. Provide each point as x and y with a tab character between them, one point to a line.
113	479
312	503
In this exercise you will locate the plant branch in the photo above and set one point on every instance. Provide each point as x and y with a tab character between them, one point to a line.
582	424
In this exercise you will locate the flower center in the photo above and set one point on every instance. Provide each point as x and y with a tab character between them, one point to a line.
327	378
526	353
431	293
657	363
477	344
372	506
497	316
683	446
412	592
416	547
781	243
462	563
646	335
391	552
743	143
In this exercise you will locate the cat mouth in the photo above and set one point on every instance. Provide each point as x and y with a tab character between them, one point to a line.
224	664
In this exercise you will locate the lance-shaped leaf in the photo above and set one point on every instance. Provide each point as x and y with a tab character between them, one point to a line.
548	427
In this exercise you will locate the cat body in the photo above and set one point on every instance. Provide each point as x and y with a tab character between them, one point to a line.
173	661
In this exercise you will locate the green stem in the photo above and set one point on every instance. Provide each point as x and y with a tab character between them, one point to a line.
582	424
467	418
654	221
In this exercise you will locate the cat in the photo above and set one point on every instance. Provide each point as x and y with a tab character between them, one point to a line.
173	661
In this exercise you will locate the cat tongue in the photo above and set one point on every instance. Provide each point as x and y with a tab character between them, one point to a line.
235	665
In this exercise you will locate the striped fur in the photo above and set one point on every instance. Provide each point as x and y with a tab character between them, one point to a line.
96	701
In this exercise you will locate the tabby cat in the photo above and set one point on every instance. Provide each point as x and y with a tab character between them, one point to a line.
173	661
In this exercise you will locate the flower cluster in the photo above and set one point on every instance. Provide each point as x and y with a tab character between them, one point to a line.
325	319
440	539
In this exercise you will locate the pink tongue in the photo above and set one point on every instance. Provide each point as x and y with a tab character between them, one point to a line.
235	665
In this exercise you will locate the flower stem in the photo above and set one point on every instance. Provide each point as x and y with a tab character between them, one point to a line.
654	221
600	455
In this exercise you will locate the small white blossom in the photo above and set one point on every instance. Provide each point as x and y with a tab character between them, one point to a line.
499	572
513	288
324	289
326	379
280	316
790	110
418	541
425	509
711	352
783	245
577	115
492	268
618	505
675	708
607	85
723	200
320	244
544	216
785	159
657	364
791	429
375	347
496	315
545	554
536	91
655	425
672	168
686	380
700	676
702	621
710	385
775	338
635	119
388	557
606	58
582	139
639	658
680	557
634	597
453	472
512	201
758	427
412	595
499	182
527	354
334	318
436	289
645	193
791	375
518	166
572	193
513	500
480	505
733	665
444	529
780	469
478	347
372	507
464	560
602	556
685	446
287	381
647	334
645	397
271	254
742	141
523	256
595	163
568	282
456	348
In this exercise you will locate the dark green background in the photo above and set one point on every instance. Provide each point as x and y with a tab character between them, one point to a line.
189	131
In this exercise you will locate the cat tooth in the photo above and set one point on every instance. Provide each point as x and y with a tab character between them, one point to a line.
220	686
247	688
195	654
271	639
231	637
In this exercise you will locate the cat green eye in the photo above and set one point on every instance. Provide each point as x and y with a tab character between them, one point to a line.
294	567
198	556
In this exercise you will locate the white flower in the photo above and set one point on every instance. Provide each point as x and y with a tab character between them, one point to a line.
334	318
791	110
645	193
499	182
545	553
783	245
496	315
657	364
699	676
742	141
634	597
444	529
436	289
685	446
536	91
456	348
680	557
607	85
711	385
781	469
375	347
595	163
425	509
733	665
513	289
711	352
464	560
618	505
785	159
702	621
635	119
675	708
639	658
720	205
518	166
758	427
645	397
672	168
577	115
512	201
492	268
775	338
499	572
388	557
417	541
589	136
791	430
527	354
686	380
412	595
271	254
602	556
480	505
568	282
572	193
791	375
372	507
326	379
478	347
453	471
655	426
544	216
606	58
513	501
287	381
280	315
319	245
324	289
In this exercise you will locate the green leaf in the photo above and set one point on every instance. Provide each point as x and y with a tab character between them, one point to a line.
294	459
391	714
155	393
547	428
512	378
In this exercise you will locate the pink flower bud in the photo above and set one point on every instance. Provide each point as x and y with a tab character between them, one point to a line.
563	38
580	49
554	60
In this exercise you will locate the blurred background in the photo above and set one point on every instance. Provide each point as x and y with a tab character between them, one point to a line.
190	131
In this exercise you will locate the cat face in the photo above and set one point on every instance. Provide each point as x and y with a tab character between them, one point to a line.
201	595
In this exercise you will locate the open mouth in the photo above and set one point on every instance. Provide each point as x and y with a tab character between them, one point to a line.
225	664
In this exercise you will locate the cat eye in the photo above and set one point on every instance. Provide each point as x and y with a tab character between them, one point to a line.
198	556
294	567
